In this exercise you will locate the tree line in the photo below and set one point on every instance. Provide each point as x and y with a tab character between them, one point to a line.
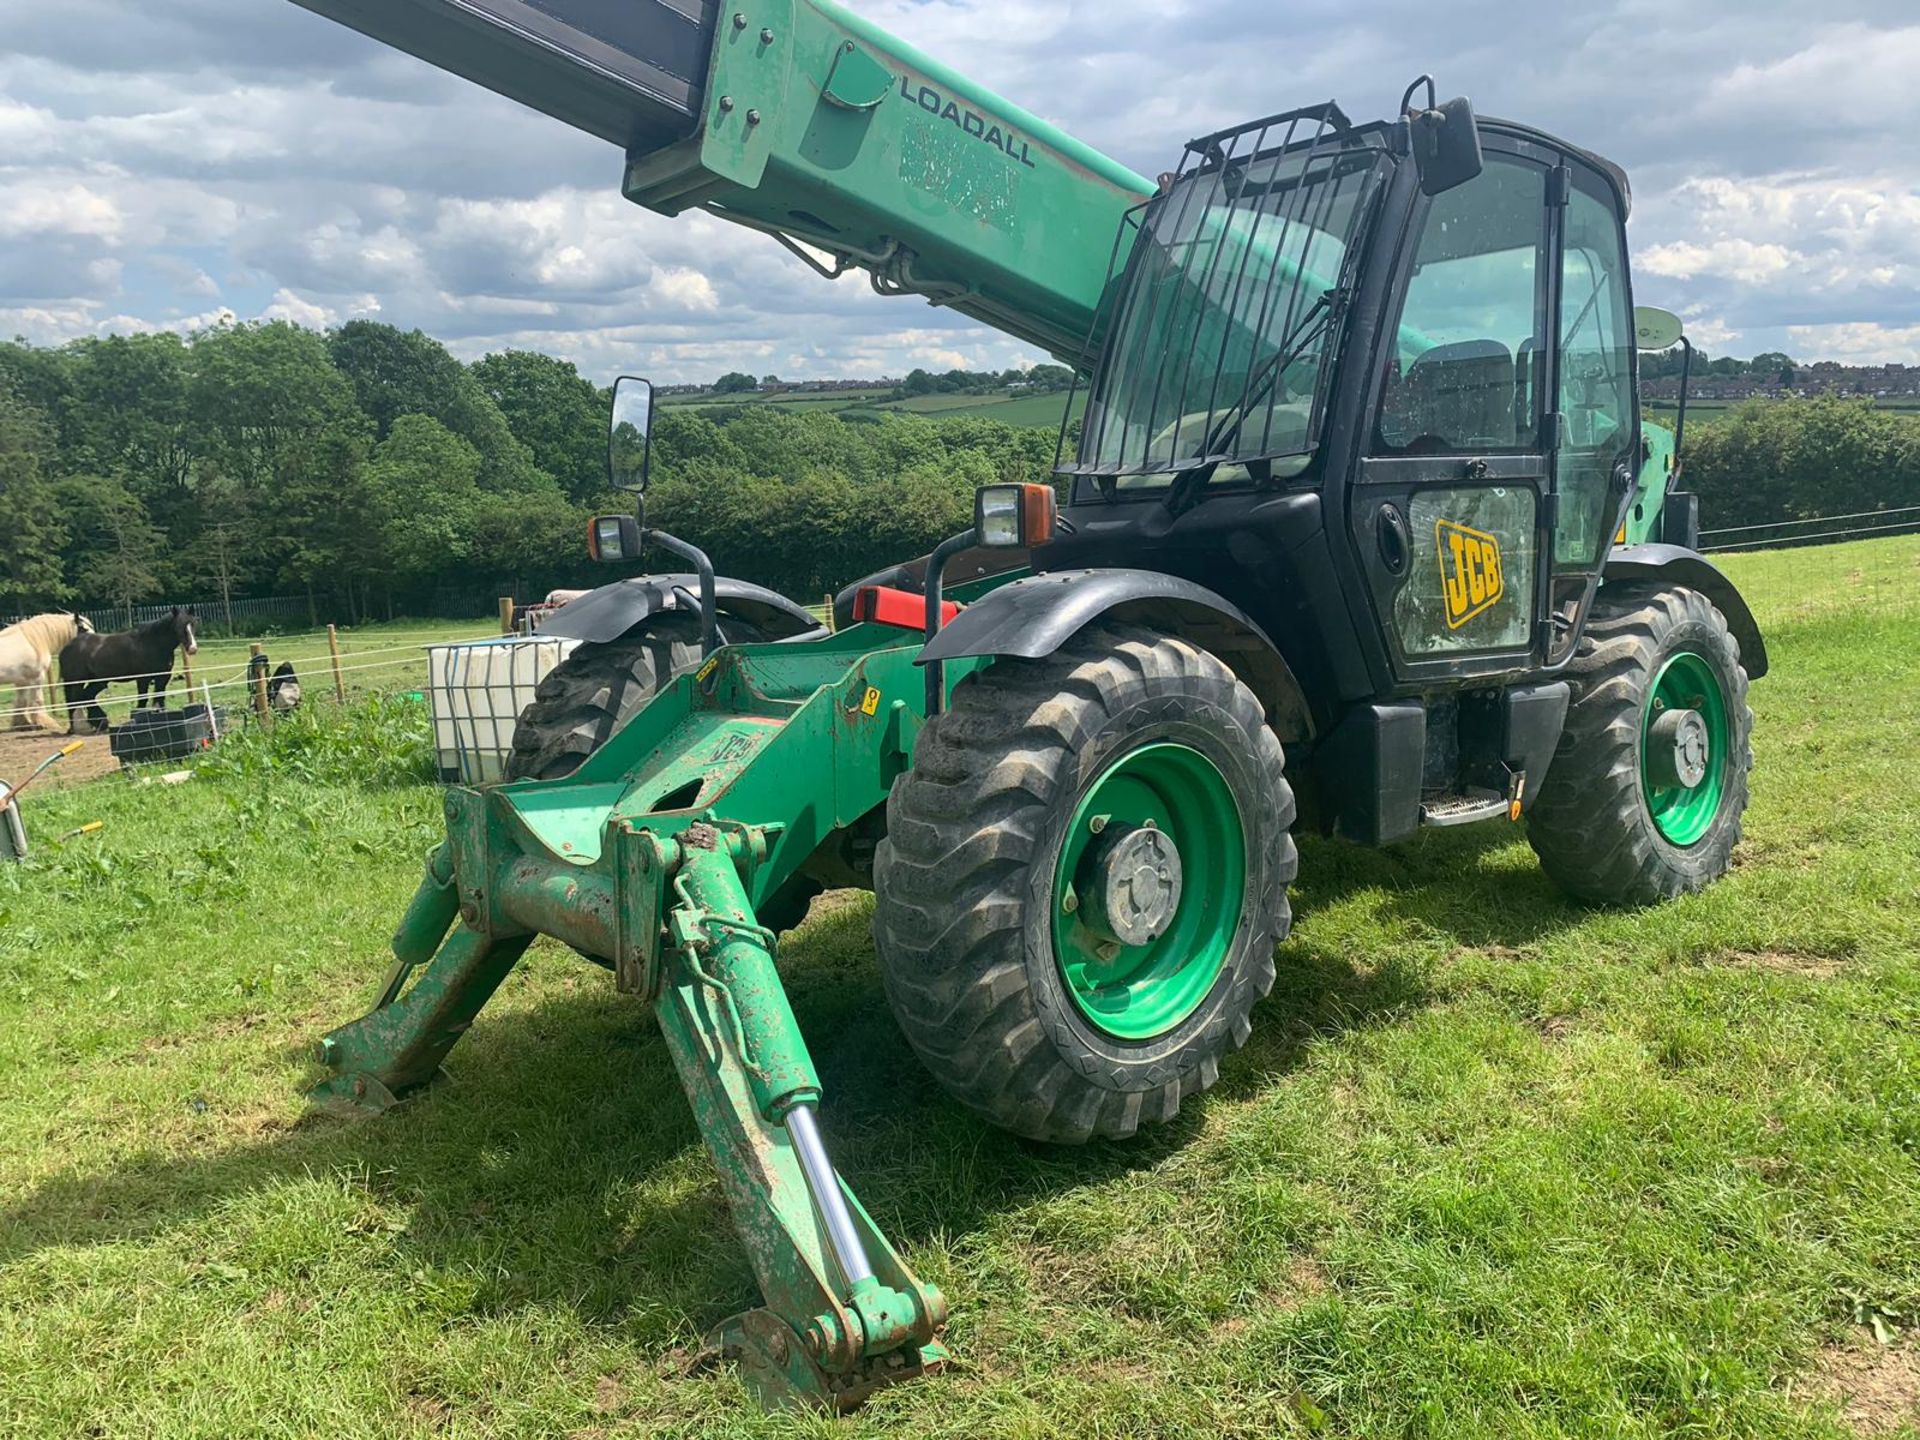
369	469
1044	379
1771	365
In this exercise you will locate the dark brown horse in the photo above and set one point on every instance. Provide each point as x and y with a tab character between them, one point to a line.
143	655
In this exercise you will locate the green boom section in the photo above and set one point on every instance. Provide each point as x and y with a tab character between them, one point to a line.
821	126
800	118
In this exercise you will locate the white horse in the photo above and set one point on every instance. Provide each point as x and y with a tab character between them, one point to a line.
26	658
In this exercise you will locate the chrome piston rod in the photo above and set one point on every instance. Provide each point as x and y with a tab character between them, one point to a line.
827	1197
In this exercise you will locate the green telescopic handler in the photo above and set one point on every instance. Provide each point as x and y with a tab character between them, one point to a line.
1362	531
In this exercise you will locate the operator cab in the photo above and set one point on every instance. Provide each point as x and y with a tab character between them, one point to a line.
1376	385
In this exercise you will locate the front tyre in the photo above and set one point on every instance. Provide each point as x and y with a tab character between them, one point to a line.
1082	884
1645	796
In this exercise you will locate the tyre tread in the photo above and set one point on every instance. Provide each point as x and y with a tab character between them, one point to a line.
962	826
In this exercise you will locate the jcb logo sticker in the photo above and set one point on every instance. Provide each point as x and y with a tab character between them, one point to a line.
1469	571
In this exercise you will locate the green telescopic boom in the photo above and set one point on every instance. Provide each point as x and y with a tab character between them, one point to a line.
800	119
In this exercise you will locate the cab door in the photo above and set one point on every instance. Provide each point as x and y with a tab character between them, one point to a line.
1596	396
1450	504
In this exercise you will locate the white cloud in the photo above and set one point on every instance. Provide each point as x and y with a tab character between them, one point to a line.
1744	260
1850	70
1709	332
179	324
157	159
32	205
685	289
289	306
1858	343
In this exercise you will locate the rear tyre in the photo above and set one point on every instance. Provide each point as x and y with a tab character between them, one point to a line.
597	689
1645	796
1082	884
588	696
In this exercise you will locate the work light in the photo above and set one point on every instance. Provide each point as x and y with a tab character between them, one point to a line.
1013	516
613	537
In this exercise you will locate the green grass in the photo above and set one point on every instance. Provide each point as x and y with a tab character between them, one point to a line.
1036	410
1491	1164
1040	410
1712	412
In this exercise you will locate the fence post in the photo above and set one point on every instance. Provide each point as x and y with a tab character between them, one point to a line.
506	614
259	673
186	673
333	648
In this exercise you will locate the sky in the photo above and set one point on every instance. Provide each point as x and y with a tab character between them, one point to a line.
167	165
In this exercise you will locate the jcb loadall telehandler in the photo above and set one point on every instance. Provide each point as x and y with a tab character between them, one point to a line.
1362	512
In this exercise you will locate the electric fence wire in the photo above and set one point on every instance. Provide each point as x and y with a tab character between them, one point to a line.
1807	531
242	682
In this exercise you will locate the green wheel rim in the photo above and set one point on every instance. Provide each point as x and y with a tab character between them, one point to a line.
1146	990
1681	814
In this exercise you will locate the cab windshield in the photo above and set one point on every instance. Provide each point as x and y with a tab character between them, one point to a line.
1229	308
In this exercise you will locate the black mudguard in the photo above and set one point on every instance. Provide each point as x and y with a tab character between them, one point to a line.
1031	618
1677	565
612	610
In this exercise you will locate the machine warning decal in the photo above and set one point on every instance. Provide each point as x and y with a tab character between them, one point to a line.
870	702
1469	571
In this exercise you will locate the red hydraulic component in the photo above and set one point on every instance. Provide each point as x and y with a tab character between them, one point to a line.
885	605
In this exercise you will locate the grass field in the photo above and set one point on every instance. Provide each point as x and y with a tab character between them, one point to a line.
1038	410
1491	1164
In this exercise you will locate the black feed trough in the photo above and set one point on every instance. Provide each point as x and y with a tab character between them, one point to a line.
160	734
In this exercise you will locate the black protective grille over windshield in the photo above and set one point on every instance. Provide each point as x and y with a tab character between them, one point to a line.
1229	304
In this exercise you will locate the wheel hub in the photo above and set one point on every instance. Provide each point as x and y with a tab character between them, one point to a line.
1134	885
1678	749
1148	890
1687	740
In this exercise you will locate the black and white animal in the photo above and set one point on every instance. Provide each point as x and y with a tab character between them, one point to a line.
89	663
283	689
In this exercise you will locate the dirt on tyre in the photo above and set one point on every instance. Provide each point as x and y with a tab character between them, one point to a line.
1649	783
1084	877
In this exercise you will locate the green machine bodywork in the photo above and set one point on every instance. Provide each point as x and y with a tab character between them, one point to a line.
802	120
654	858
933	183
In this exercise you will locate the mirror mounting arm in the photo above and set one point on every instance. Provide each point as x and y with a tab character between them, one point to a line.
935	587
1680	419
709	602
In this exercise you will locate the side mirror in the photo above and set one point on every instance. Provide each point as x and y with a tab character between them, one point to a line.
1013	517
1656	329
613	537
629	443
1446	140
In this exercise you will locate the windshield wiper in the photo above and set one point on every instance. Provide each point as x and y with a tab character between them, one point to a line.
1306	330
1184	493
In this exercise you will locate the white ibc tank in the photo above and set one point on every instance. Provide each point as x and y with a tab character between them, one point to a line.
476	691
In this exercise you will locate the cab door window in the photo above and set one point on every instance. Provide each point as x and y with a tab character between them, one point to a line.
1596	374
1460	378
